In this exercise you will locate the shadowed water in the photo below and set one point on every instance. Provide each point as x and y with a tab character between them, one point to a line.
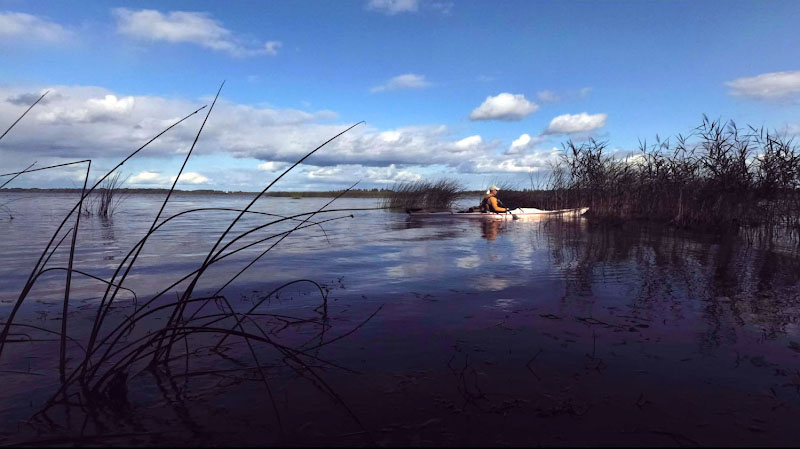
436	332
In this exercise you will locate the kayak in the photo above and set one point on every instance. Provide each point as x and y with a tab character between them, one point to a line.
513	214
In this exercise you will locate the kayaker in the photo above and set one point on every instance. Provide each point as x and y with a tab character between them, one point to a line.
490	203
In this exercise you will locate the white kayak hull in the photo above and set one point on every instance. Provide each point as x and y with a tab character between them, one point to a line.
513	214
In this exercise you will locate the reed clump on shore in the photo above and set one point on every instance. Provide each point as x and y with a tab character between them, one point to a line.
423	195
719	176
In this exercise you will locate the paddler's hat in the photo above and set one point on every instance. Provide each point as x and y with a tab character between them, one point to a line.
493	188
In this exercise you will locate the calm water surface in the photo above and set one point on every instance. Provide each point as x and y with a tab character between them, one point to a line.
437	331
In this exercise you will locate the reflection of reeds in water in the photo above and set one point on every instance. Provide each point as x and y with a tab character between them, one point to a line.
423	195
161	333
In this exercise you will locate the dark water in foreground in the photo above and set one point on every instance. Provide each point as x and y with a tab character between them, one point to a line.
437	332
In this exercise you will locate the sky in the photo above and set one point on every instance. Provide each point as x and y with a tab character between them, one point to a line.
482	92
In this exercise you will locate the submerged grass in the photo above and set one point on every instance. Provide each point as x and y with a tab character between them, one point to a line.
93	374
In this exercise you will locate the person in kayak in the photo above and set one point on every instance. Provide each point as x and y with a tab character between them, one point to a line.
490	203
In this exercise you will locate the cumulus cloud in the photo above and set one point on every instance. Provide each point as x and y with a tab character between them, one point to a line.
153	178
523	143
767	86
392	7
259	140
17	25
92	110
272	166
190	178
92	122
576	123
533	161
188	27
146	177
469	142
505	106
347	173
406	81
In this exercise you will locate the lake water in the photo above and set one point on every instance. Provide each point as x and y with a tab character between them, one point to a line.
436	331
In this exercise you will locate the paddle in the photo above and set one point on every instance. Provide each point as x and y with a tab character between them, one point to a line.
509	209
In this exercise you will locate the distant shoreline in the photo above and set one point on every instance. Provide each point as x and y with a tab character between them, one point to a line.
355	193
374	193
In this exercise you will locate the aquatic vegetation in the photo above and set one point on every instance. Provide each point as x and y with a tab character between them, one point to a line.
423	194
716	177
106	199
161	334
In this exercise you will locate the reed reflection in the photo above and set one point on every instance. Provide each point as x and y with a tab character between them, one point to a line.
714	287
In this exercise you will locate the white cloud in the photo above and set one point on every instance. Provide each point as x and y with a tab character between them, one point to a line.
469	142
110	103
392	7
348	173
576	123
505	106
190	178
391	174
533	161
146	177
406	81
188	27
390	136
523	143
91	110
92	122
272	166
17	25
153	178
83	122
767	86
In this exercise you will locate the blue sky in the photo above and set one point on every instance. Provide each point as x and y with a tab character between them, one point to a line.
474	90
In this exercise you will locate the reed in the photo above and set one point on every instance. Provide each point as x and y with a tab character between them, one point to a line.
423	195
106	200
161	335
717	177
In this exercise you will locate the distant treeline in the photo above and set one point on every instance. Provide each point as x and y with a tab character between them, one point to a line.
355	193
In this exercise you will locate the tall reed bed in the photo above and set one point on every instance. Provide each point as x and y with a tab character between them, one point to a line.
423	195
718	176
162	333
